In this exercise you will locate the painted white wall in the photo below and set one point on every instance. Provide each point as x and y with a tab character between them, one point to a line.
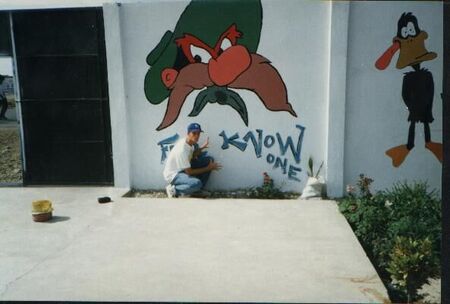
117	98
325	53
376	117
295	37
336	98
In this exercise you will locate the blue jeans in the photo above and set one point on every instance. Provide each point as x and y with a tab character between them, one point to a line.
187	184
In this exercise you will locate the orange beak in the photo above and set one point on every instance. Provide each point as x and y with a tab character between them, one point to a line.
386	58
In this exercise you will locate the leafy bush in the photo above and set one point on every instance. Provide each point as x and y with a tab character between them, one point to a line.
363	184
383	221
268	190
412	263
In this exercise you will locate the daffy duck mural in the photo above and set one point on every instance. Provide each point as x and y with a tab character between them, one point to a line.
213	47
418	85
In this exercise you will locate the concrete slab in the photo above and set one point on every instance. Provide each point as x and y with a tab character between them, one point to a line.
141	249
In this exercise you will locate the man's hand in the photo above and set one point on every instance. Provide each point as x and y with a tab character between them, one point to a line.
214	166
206	144
210	167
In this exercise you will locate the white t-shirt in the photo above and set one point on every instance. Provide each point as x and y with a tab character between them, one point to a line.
179	159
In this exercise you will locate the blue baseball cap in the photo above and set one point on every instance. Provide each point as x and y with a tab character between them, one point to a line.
194	127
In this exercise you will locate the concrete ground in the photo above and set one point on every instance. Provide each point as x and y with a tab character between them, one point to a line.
140	249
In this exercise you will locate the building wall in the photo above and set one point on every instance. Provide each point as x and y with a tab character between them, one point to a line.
298	49
348	112
376	116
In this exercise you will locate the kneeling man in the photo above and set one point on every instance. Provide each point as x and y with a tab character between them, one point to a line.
188	167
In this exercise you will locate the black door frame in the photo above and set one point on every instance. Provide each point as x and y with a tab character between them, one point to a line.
104	89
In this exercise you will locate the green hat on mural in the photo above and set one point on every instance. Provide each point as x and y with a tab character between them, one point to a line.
207	20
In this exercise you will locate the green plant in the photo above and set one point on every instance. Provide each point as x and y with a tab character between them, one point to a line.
268	190
415	212
311	168
406	211
363	184
412	263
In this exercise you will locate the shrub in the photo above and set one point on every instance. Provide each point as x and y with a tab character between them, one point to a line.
384	221
411	264
268	190
364	185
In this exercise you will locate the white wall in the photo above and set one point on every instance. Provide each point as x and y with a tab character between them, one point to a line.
120	129
376	117
325	53
294	37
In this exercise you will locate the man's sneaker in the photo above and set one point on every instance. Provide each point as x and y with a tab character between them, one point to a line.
201	194
170	190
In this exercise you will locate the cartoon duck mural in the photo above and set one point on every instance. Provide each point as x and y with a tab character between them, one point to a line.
418	85
213	49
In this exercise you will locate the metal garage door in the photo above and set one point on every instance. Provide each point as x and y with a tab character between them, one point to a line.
446	165
61	65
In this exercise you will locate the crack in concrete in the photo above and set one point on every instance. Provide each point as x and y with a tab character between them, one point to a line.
7	285
54	254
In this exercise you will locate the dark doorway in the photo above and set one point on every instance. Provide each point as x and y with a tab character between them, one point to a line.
63	93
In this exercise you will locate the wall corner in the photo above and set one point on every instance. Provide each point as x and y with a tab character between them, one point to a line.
117	97
337	83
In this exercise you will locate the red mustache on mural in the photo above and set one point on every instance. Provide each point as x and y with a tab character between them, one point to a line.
233	67
228	65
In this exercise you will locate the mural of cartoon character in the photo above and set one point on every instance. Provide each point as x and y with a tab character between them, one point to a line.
418	85
213	46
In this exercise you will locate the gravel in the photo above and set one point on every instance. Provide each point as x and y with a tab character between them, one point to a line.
10	163
239	193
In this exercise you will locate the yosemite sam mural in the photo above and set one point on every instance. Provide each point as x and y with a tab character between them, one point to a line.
418	85
213	46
